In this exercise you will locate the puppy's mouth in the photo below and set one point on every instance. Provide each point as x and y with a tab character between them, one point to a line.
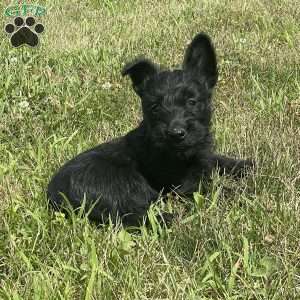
178	145
162	140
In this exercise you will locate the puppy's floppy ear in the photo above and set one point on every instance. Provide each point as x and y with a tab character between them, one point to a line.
200	59
139	70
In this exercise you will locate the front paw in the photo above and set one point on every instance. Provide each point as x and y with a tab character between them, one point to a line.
242	168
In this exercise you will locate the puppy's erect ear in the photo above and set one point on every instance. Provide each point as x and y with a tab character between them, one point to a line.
139	70
200	60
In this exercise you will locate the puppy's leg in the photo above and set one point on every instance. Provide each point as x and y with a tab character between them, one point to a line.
230	166
191	182
202	172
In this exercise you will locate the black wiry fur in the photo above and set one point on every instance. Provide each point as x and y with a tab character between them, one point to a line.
172	147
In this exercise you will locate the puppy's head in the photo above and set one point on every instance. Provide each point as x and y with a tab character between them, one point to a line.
177	104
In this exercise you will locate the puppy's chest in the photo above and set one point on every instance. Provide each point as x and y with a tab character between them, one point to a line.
164	173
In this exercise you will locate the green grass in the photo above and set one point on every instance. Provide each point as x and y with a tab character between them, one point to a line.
55	101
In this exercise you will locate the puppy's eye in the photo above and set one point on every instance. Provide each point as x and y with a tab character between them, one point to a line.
191	102
155	108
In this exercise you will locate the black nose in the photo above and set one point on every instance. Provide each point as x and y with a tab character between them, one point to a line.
177	133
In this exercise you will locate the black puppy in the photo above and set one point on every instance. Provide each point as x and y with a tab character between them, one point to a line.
171	148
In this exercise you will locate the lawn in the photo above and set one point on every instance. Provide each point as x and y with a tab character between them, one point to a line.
241	240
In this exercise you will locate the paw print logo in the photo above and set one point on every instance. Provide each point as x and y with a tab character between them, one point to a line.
24	32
